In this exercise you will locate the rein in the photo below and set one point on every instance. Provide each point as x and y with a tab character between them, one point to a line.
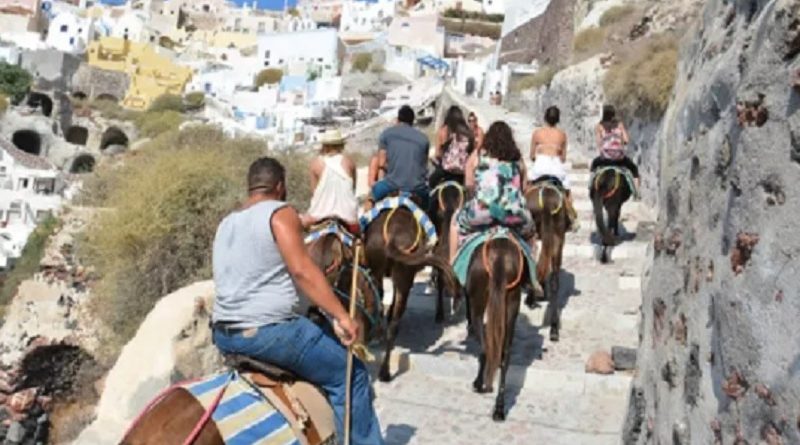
386	233
439	193
485	257
545	186
617	182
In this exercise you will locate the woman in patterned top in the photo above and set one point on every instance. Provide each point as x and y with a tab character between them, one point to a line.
494	179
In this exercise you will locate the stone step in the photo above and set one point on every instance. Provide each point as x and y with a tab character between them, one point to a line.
442	408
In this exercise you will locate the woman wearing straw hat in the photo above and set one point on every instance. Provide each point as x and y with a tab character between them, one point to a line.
333	179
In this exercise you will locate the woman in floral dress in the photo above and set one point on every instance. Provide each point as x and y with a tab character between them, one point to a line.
493	178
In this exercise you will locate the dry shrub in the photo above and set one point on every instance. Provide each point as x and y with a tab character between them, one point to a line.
542	78
589	40
167	102
154	123
616	14
269	76
362	61
642	82
482	29
110	109
194	101
164	203
3	103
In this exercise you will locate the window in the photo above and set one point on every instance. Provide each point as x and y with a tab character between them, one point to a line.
262	27
3	170
64	28
23	183
72	40
266	54
206	8
319	59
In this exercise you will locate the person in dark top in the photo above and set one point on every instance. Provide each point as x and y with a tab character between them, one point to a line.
403	155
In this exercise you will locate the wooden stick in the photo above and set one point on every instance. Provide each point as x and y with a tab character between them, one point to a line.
349	375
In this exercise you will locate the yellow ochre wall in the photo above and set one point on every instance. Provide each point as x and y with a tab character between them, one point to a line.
151	73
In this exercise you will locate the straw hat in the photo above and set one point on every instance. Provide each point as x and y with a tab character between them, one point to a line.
332	137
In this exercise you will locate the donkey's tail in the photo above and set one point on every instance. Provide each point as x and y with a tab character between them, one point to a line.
496	318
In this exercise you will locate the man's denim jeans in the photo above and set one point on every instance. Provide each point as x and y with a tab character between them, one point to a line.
301	347
382	189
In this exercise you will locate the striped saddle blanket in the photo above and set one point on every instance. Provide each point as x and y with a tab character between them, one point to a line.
395	202
245	413
331	227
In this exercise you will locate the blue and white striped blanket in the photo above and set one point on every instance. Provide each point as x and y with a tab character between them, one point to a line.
331	228
243	416
401	201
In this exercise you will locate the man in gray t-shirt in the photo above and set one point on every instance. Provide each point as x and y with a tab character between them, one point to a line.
403	154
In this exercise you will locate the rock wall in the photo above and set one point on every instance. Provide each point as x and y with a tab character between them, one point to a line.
719	359
547	37
172	344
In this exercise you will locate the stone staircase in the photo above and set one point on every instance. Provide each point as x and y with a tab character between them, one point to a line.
550	399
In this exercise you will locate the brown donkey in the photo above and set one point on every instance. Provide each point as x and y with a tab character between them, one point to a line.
609	191
547	205
171	421
395	246
447	198
494	286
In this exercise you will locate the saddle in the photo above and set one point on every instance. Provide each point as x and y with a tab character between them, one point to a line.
302	404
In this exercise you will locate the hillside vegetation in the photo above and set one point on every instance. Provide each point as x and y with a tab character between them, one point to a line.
164	203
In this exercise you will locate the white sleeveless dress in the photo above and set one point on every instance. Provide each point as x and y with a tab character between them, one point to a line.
334	196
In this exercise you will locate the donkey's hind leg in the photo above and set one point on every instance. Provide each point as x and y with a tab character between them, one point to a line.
403	279
477	299
512	310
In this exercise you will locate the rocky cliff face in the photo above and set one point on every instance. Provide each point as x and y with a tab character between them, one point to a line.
719	360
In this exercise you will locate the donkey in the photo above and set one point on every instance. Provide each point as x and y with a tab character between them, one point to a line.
395	247
546	203
609	191
494	285
448	197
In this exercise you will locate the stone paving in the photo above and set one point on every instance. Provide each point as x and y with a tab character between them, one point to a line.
549	399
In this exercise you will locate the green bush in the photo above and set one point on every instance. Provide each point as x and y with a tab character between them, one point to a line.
362	61
269	76
28	263
14	82
542	78
642	84
194	101
154	123
167	102
616	14
589	40
167	199
3	103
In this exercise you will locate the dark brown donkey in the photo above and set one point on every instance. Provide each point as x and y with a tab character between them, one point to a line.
546	202
609	191
448	198
494	285
397	248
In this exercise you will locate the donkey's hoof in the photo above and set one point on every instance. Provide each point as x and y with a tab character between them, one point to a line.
384	376
477	386
499	415
554	336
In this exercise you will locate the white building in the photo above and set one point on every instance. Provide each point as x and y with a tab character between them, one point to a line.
412	39
28	194
360	16
9	53
317	49
69	32
130	25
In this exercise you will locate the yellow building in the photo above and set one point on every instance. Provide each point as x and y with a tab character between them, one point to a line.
151	73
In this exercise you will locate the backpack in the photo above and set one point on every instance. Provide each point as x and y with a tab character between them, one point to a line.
456	154
611	145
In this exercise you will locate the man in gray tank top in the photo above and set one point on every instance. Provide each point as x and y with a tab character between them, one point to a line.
260	266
